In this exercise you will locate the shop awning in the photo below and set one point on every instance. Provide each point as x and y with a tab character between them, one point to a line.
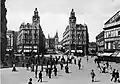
34	50
79	51
106	54
72	51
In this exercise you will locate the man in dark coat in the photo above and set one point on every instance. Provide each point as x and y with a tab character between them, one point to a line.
47	71
116	75
113	75
66	69
40	76
93	75
50	72
55	70
61	65
36	71
79	64
14	69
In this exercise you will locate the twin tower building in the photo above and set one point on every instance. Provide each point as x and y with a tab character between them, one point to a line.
31	38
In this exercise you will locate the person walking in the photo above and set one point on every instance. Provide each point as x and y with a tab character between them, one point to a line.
79	64
61	65
107	64
40	76
36	71
14	68
93	75
63	59
27	66
66	69
74	61
116	76
113	75
104	68
50	72
47	71
32	67
55	70
30	81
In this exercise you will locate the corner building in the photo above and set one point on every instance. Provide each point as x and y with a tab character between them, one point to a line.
31	39
112	33
75	37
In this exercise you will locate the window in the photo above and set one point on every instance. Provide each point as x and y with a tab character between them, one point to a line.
118	33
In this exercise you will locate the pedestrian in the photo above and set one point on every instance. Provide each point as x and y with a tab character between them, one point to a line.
113	75
95	60
55	70
36	71
98	63
32	67
27	66
79	64
22	64
63	59
87	59
93	75
14	69
116	76
61	65
110	69
30	81
100	67
74	61
40	76
56	60
46	71
47	63
66	69
104	68
50	72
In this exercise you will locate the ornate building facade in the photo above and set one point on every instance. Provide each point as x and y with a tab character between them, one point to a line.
112	33
52	43
31	38
75	37
3	39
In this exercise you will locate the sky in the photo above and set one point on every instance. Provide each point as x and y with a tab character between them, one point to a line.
54	14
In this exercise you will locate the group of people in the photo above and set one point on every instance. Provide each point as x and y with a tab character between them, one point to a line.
107	68
52	67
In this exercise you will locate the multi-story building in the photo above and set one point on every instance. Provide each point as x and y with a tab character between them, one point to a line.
100	42
31	38
3	39
92	48
75	36
112	33
10	42
52	43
